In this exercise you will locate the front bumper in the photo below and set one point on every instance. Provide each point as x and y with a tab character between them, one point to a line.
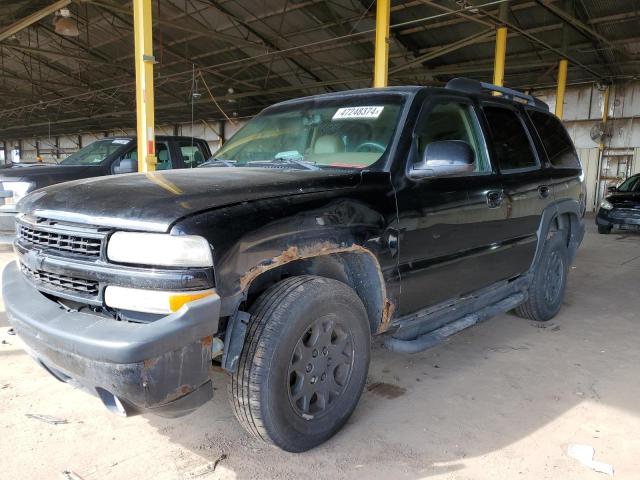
626	219
161	367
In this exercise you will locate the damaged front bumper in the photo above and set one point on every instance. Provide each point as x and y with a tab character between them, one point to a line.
160	367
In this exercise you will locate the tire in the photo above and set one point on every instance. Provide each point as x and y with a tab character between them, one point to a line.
301	328
546	292
604	230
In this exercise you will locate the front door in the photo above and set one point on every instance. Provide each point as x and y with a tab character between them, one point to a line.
450	228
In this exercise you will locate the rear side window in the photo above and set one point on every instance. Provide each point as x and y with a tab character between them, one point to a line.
510	140
192	153
555	139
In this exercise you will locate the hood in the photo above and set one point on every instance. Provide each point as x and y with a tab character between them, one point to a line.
156	200
44	175
625	199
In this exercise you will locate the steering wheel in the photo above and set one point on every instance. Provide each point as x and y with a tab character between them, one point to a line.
371	146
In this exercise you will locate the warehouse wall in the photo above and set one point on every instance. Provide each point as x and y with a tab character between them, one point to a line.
55	148
583	109
582	113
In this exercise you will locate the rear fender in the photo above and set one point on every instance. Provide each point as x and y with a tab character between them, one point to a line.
569	219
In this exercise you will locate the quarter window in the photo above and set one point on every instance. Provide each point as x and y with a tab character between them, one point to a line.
510	140
555	139
454	121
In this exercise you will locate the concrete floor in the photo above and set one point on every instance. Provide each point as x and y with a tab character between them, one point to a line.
501	400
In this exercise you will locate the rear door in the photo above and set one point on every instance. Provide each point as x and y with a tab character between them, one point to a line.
525	180
449	226
565	169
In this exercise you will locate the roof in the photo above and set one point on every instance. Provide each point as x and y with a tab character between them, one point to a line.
247	54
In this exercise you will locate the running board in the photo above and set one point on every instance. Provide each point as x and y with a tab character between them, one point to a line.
433	338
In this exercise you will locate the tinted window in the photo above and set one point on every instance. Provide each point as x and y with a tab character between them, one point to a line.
555	139
631	184
454	121
162	156
510	140
192	153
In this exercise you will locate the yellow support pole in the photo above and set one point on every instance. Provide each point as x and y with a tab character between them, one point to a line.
605	109
562	87
144	59
381	65
500	55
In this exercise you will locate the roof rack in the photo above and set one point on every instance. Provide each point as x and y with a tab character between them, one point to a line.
475	86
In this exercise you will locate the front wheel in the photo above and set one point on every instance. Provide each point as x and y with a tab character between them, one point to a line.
547	288
304	362
604	229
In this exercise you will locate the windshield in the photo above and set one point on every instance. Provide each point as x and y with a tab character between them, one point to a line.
325	133
96	152
631	184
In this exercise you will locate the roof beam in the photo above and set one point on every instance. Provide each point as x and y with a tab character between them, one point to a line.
31	19
577	24
471	39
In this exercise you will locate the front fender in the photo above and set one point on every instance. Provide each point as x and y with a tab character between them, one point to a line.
252	238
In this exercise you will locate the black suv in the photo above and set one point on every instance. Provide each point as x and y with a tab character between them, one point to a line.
621	208
406	212
107	156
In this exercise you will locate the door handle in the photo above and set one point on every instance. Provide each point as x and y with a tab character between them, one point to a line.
543	191
495	198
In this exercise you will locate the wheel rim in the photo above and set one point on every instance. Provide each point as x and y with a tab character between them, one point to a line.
554	278
320	367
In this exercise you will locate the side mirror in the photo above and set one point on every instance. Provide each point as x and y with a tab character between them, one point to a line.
612	188
125	165
444	158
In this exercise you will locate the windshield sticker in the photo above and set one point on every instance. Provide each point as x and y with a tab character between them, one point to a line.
120	141
357	112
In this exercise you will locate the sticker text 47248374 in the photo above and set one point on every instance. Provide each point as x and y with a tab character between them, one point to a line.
348	113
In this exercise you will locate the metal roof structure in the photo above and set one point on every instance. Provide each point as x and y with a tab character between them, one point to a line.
230	58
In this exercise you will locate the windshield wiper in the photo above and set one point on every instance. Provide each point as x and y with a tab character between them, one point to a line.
287	158
218	162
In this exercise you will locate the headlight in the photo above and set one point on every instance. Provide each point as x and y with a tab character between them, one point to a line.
19	189
606	205
159	249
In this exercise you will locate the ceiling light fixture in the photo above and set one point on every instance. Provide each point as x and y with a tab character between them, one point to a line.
64	24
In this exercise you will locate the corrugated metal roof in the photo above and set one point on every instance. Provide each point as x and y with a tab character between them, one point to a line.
251	54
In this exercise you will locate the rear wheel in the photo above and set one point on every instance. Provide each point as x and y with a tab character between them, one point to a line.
604	229
547	288
304	362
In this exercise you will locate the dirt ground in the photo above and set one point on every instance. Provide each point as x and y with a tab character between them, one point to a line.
501	400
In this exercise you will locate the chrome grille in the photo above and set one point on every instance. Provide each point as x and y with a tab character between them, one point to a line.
61	282
62	240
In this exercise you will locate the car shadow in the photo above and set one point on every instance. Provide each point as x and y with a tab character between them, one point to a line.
485	389
482	390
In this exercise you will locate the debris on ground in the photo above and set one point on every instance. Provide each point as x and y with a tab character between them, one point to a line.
11	331
69	475
4	342
47	418
208	468
584	454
